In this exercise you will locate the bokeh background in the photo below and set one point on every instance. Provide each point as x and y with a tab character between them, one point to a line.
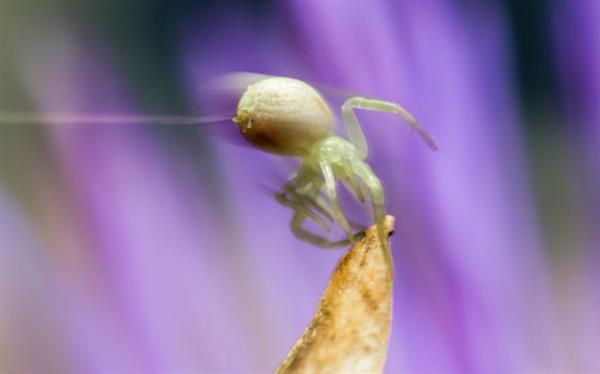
156	249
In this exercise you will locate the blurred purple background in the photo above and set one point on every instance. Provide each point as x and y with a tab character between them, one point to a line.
155	249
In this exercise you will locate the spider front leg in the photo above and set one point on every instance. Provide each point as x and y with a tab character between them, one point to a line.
375	188
355	132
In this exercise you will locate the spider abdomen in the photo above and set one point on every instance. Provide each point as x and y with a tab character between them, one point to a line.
283	116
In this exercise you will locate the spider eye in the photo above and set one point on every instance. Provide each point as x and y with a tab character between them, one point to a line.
241	119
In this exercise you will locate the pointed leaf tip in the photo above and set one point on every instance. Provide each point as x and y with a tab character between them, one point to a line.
350	329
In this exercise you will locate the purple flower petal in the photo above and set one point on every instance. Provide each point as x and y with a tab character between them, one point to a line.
469	269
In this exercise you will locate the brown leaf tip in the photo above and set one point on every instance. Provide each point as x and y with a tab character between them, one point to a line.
350	329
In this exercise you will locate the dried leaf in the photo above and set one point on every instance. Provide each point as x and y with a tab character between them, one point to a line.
350	330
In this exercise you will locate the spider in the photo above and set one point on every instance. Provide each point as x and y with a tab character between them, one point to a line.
287	116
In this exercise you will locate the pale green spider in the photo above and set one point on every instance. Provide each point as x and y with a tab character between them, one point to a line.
287	116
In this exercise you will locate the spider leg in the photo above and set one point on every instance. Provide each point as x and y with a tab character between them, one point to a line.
306	186
302	193
351	183
301	201
355	132
314	199
330	188
317	202
310	194
377	199
294	195
305	235
299	205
